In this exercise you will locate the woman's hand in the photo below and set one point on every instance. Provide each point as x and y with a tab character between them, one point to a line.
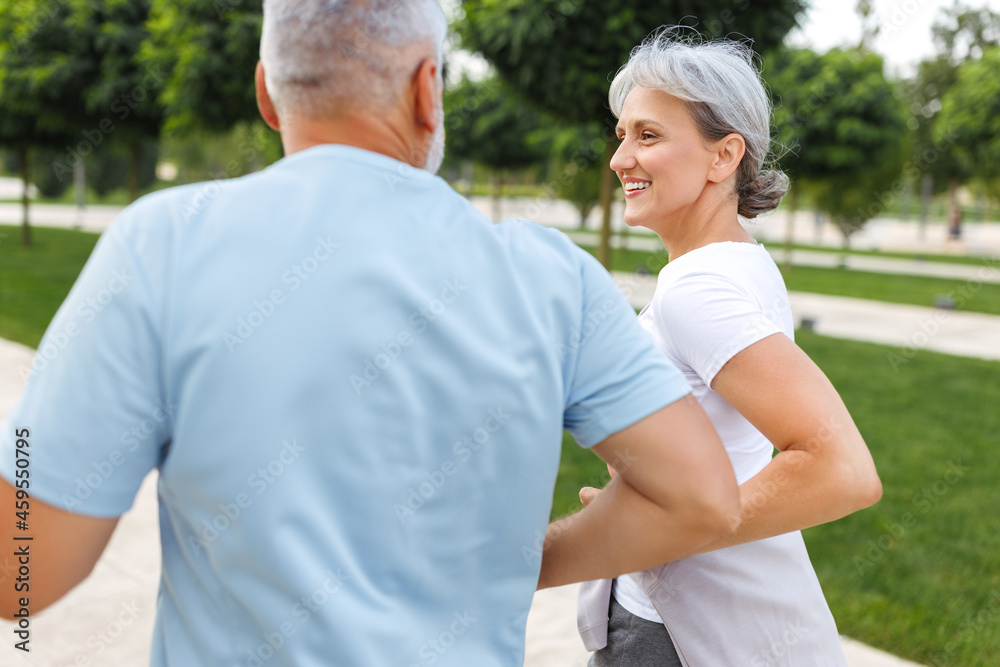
588	493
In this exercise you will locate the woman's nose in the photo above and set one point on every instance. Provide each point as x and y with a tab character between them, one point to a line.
623	159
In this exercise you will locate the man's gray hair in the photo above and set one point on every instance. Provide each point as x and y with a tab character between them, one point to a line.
720	82
322	56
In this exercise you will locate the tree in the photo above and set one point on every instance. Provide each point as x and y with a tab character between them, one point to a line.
45	56
560	53
125	93
116	166
971	113
848	142
799	91
577	170
961	34
208	52
487	123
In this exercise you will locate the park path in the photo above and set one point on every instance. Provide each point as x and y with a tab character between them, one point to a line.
109	618
909	329
987	271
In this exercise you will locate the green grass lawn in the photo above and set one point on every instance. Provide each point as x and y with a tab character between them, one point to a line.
927	257
911	574
34	281
970	296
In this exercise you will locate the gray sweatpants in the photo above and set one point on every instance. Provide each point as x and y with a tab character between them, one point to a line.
635	642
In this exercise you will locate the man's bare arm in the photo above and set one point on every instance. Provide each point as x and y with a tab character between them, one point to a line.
63	550
674	493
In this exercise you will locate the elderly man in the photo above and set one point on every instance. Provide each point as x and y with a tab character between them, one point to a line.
353	387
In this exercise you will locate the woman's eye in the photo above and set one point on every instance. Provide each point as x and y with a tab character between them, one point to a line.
646	135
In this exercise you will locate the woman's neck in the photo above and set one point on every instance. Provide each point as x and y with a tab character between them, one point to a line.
700	228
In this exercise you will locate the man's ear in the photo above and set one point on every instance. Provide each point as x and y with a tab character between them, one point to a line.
729	152
427	95
264	103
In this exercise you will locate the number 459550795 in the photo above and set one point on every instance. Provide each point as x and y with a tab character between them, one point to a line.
22	454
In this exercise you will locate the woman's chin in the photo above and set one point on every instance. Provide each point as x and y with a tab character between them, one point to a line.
634	221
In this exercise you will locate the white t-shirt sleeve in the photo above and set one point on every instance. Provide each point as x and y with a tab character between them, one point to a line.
709	319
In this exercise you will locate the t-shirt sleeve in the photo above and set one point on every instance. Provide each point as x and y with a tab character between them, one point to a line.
617	375
709	319
93	406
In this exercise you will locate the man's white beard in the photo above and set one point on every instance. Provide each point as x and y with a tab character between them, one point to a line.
435	156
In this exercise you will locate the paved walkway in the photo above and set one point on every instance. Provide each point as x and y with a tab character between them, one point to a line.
988	271
979	238
909	328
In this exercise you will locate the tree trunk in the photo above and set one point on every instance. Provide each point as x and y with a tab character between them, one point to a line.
80	191
952	197
926	191
134	155
497	192
793	206
607	183
844	249
469	176
25	200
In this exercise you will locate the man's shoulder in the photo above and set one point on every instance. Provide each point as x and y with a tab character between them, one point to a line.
535	242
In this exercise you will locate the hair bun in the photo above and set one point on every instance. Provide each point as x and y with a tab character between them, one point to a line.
763	194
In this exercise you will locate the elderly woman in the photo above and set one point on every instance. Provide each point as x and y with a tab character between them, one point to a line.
694	127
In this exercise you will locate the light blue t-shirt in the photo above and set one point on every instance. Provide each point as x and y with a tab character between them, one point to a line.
353	386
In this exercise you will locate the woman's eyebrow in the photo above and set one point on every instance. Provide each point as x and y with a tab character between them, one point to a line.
639	122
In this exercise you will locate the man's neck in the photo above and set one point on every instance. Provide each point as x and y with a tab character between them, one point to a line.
348	130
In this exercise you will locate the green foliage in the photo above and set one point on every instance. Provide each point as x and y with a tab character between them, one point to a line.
487	123
110	168
578	167
48	181
208	51
201	155
844	129
961	35
971	111
931	149
46	55
561	53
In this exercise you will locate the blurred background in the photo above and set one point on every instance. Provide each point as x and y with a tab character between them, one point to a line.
887	118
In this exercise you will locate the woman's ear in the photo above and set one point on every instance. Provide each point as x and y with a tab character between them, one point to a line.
729	152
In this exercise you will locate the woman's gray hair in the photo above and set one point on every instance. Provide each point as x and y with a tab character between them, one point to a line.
321	56
720	82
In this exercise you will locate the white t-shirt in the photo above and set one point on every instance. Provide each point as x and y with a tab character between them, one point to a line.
711	304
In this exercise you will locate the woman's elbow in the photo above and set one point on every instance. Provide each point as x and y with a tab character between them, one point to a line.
860	487
869	490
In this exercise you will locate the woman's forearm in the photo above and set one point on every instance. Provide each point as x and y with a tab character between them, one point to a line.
798	490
